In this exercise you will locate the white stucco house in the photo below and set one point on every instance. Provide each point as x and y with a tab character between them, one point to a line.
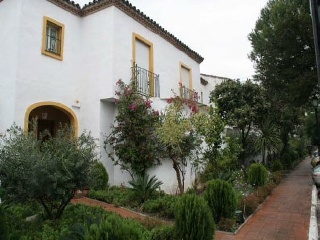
60	63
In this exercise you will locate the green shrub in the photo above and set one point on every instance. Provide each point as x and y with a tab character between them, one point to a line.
49	233
98	178
115	195
165	232
276	166
144	187
91	229
124	229
257	175
4	234
193	219
162	206
107	226
221	198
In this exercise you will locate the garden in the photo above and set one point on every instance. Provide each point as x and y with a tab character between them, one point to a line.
39	178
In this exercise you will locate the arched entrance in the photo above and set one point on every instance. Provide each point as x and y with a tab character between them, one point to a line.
50	116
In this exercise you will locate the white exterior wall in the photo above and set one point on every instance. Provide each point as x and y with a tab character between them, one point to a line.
213	81
37	77
9	43
97	53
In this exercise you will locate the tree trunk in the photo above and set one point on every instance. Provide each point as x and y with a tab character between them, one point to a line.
178	173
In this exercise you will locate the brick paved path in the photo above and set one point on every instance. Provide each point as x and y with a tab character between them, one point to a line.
285	215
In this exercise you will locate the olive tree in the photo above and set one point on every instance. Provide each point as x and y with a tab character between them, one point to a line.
46	171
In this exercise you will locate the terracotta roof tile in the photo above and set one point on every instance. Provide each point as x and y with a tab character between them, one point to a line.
133	12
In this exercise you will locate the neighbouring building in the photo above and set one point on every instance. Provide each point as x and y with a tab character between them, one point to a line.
60	63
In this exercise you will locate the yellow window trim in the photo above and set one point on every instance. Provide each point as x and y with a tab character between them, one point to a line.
184	66
49	21
135	38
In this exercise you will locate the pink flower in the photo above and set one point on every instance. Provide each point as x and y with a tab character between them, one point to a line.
119	82
148	104
132	107
194	108
170	100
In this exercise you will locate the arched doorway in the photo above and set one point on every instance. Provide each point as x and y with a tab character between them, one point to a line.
49	116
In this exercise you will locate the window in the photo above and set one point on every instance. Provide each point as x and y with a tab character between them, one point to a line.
52	39
186	90
185	76
142	54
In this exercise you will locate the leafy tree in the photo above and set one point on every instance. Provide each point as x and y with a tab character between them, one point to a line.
4	233
284	57
133	135
241	106
210	127
311	128
283	51
178	136
48	172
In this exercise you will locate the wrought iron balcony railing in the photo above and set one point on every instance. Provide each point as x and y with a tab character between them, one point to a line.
187	93
147	82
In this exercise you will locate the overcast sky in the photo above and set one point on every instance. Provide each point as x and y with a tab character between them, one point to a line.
216	29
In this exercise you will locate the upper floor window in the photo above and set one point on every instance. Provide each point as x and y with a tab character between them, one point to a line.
186	88
143	73
185	76
52	39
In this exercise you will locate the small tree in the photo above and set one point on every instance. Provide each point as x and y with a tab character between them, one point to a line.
49	172
211	127
240	105
133	136
177	134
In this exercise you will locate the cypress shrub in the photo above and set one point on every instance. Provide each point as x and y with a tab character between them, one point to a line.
193	219
3	225
221	199
98	177
257	175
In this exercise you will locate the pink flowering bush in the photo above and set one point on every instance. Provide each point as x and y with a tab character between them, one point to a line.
133	135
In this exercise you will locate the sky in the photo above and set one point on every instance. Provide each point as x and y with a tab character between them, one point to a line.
216	29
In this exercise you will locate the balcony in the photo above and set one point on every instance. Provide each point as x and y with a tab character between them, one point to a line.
187	93
147	83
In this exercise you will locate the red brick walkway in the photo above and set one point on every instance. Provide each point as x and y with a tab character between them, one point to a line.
110	208
285	215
